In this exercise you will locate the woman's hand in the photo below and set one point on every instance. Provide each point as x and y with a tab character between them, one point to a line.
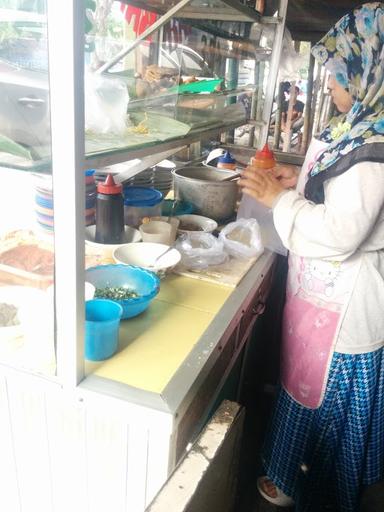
286	174
261	185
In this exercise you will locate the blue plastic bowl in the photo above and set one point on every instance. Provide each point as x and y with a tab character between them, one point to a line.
145	283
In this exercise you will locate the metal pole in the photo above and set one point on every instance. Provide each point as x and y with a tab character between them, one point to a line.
66	70
277	134
232	81
314	100
256	81
273	72
308	105
288	122
150	30
323	83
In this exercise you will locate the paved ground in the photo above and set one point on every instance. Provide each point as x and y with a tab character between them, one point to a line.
249	500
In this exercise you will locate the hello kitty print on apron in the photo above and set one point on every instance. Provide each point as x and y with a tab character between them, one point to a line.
318	293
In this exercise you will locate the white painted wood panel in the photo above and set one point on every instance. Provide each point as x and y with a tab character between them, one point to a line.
158	458
9	492
84	451
106	449
137	458
30	439
67	448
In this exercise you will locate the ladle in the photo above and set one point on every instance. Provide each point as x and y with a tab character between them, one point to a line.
233	176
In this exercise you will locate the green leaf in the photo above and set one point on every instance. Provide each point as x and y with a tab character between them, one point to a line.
8	146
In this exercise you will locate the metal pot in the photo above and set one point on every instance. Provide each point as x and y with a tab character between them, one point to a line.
201	186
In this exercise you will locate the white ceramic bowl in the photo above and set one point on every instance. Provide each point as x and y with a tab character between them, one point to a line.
130	235
201	224
145	253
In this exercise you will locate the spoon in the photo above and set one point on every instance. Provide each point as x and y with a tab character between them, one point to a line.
153	264
233	176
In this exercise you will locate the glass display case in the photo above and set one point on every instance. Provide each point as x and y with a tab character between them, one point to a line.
187	76
190	72
27	266
156	76
132	90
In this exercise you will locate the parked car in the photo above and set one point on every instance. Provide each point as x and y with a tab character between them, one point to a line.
24	84
24	90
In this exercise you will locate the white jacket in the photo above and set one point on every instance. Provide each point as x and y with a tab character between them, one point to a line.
351	221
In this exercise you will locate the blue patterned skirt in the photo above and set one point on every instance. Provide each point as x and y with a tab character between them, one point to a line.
324	457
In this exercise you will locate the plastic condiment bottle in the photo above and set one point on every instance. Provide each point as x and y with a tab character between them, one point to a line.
109	212
226	162
263	159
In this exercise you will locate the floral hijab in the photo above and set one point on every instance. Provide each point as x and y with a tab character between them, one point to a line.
353	51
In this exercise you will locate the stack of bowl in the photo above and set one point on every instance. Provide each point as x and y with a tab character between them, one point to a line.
44	200
163	179
142	179
90	197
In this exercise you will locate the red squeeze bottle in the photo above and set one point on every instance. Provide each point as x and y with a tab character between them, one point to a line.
109	212
263	159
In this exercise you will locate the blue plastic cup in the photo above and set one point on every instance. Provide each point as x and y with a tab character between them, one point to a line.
102	321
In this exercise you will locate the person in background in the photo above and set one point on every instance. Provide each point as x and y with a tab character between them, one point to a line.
297	119
326	441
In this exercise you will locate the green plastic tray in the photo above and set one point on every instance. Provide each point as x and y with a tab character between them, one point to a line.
199	86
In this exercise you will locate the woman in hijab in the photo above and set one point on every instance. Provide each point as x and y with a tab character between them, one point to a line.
326	440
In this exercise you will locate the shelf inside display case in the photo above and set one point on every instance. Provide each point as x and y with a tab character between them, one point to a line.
116	151
224	10
146	95
157	123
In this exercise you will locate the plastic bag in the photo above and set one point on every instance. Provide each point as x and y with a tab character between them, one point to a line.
106	103
200	250
242	238
251	209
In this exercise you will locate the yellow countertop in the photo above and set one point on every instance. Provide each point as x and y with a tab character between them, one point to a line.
153	345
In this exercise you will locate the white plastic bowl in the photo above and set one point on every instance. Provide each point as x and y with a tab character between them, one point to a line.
144	255
205	224
130	235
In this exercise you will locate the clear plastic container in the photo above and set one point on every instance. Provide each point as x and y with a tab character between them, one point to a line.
141	202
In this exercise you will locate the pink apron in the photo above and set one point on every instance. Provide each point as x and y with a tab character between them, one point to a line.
318	294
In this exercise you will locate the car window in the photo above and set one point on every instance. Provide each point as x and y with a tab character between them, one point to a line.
24	43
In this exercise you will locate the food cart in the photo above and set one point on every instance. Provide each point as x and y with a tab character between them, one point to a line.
80	435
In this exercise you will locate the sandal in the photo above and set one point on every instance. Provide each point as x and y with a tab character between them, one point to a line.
281	499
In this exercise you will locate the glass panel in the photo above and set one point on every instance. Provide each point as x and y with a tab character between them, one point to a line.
24	93
203	9
181	80
152	82
26	210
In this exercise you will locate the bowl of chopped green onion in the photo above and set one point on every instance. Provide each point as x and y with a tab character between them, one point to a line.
131	287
